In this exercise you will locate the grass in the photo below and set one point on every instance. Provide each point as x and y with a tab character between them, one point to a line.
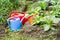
15	35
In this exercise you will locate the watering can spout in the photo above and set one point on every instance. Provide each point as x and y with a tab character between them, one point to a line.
31	18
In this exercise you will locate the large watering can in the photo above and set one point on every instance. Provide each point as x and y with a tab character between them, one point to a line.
15	23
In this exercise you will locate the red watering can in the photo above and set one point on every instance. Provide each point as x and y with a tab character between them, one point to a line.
21	15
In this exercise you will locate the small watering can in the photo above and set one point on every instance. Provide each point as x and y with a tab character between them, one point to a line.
14	23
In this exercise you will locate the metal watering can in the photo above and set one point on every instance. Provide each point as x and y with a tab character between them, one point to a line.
14	23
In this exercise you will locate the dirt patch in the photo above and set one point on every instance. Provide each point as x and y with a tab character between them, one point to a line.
32	31
36	30
2	31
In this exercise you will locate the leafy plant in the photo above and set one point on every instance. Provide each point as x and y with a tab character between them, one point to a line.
47	18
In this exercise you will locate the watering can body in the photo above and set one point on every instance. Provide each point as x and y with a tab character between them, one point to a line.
14	23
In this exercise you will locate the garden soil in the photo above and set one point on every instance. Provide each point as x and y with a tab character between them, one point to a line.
36	30
28	29
2	31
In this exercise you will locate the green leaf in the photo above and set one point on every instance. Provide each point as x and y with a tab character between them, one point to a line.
46	27
37	8
52	28
56	20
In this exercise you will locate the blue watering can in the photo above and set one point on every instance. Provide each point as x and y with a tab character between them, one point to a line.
14	23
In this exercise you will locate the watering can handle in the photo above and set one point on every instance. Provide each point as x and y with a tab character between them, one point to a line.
22	19
8	21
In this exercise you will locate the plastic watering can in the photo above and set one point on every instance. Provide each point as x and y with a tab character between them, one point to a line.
20	15
14	23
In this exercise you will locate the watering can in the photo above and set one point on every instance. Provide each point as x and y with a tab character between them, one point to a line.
14	23
21	15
